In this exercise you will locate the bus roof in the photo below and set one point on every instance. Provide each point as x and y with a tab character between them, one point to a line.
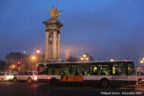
86	62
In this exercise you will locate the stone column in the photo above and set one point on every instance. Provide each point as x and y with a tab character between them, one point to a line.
52	43
58	48
46	45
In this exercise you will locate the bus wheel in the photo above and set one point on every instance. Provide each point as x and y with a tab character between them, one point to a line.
140	81
104	83
53	81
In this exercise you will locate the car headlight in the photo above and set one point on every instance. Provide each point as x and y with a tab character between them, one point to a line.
9	77
35	78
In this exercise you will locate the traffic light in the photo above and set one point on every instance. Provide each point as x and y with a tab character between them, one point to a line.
18	62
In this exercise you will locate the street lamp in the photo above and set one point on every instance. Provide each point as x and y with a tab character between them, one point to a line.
33	60
87	59
13	66
33	57
84	57
81	58
38	51
111	60
142	61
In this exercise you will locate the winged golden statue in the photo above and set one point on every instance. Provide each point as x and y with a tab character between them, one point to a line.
54	13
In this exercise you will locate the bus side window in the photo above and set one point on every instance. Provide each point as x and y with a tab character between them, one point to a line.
70	70
65	70
102	72
95	70
130	69
119	69
81	70
50	70
88	70
57	70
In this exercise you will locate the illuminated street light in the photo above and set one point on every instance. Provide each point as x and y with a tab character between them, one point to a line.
142	61
13	66
111	60
38	51
81	58
33	57
84	57
87	59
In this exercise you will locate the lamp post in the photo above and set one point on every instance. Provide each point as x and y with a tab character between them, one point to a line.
33	61
38	55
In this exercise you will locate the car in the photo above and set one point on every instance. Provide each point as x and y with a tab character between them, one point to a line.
140	77
6	76
29	76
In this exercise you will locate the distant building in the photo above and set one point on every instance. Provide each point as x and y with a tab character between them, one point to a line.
21	62
18	59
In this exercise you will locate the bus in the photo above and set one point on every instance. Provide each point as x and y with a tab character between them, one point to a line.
103	74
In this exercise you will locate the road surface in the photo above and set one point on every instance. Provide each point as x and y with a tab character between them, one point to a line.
45	89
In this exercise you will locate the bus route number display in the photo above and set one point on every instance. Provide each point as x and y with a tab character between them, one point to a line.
72	78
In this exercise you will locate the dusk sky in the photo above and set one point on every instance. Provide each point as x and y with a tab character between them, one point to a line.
103	28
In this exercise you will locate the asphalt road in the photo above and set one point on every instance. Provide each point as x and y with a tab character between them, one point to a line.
45	89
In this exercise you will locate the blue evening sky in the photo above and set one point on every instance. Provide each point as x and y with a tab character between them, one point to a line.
103	28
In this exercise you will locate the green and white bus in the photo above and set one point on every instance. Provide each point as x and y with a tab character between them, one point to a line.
96	73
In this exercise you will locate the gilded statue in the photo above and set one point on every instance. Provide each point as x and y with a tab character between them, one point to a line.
54	13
